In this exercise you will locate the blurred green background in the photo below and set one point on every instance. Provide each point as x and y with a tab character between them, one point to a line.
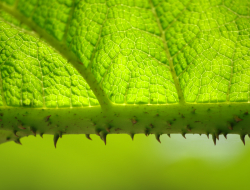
78	163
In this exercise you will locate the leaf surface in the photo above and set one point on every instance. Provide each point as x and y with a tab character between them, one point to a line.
81	53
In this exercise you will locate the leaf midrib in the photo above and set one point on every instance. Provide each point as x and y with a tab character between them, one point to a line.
170	60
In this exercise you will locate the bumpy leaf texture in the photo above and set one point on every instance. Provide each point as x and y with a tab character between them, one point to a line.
85	53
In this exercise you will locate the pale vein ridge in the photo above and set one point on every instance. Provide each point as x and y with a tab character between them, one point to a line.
230	80
42	79
68	22
62	49
98	41
176	81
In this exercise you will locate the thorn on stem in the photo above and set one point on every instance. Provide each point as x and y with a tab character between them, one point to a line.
225	135
33	131
157	136
183	134
146	132
56	137
88	137
132	136
217	136
214	139
242	137
103	136
17	141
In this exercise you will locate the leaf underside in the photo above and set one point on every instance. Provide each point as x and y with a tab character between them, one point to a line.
175	58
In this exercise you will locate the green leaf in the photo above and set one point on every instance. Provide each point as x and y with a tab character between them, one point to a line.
126	66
